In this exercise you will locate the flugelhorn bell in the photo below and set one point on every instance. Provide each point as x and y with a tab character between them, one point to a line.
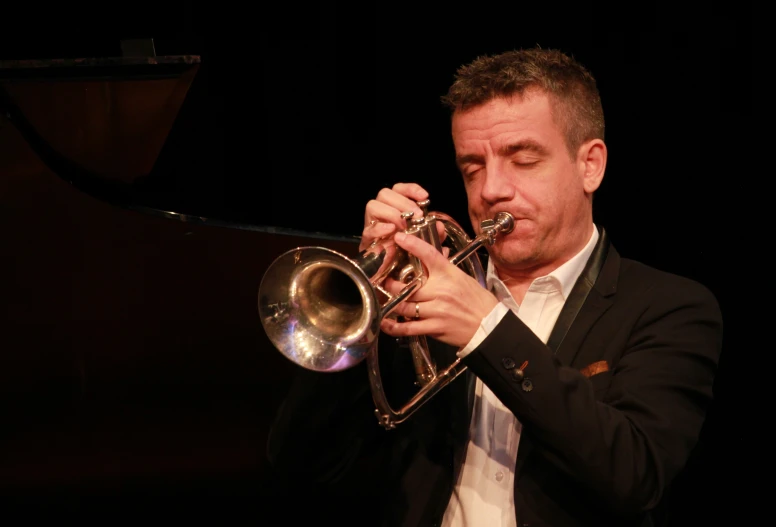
322	309
319	309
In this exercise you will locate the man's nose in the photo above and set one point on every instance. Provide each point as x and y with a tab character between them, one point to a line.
498	186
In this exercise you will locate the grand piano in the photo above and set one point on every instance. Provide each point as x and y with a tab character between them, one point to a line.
134	373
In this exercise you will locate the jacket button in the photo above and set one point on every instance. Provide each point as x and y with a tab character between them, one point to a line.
508	363
527	385
517	375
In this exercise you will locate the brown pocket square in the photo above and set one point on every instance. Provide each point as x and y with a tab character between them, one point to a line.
594	368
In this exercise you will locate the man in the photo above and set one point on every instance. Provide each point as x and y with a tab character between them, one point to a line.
589	375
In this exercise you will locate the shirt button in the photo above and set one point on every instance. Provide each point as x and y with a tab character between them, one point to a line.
499	475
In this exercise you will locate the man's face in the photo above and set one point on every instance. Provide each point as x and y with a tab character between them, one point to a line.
514	158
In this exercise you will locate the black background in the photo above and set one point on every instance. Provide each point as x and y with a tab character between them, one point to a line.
301	113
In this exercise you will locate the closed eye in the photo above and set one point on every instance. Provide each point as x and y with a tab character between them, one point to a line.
524	161
470	167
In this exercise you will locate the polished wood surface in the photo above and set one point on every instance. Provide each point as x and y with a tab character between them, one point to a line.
115	128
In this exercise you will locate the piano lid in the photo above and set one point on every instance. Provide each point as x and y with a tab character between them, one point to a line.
103	123
92	119
131	67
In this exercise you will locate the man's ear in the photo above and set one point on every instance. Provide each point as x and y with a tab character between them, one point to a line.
591	159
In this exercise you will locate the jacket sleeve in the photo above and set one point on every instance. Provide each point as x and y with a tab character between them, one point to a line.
625	433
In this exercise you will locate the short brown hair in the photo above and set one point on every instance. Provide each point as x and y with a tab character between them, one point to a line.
576	102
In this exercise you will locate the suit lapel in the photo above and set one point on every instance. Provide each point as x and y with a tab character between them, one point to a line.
599	298
589	299
579	293
595	306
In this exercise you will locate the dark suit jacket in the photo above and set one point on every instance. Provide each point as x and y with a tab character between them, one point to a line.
615	406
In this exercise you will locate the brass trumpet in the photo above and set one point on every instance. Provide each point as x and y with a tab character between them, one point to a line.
322	309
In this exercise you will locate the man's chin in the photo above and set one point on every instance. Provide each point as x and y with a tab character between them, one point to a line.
510	253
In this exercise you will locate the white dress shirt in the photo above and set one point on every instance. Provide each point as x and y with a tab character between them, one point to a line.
484	492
